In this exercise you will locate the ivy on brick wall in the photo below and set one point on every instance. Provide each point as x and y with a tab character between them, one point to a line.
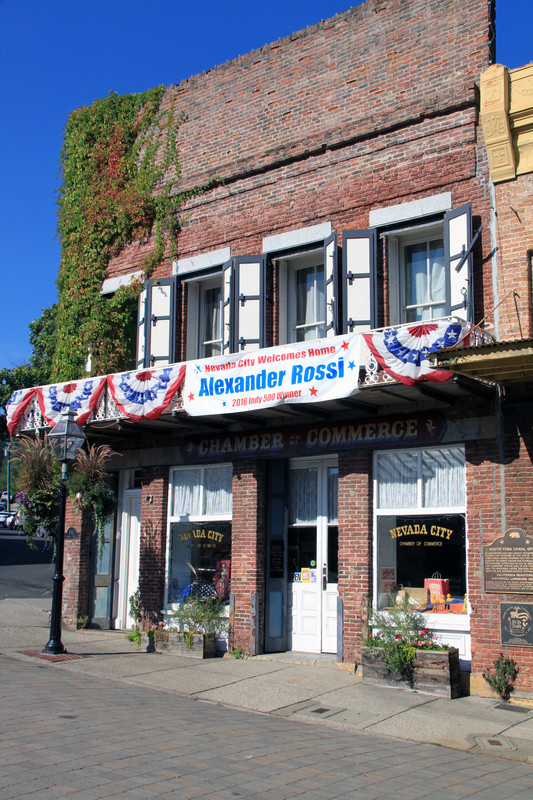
114	161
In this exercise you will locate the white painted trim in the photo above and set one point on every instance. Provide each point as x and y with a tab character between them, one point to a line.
425	207
297	238
203	261
110	285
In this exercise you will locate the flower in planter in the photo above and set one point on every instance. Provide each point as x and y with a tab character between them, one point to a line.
399	632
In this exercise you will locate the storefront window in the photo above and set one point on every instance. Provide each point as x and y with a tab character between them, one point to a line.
199	556
420	524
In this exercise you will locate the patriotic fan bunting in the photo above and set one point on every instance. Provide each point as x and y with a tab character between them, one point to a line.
16	406
402	352
80	397
146	394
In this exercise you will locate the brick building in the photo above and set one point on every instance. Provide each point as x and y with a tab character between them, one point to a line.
310	461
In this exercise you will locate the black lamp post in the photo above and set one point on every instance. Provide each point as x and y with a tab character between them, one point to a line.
65	438
7	451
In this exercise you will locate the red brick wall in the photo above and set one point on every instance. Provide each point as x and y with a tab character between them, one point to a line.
153	541
373	107
514	204
76	566
500	496
247	549
355	547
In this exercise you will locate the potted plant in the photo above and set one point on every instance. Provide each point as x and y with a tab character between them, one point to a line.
400	651
192	627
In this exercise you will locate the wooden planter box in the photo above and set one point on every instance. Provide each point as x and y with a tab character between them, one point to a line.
434	671
203	645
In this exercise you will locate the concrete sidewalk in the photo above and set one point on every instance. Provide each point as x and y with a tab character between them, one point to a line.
307	688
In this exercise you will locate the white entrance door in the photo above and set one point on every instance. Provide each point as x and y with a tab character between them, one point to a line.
312	556
129	556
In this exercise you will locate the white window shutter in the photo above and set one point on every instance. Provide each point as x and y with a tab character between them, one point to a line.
193	321
249	302
358	281
141	326
227	307
331	284
457	242
157	314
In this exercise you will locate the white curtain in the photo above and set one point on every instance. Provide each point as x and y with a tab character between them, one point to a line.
186	493
333	495
303	496
443	473
202	491
440	472
397	475
218	497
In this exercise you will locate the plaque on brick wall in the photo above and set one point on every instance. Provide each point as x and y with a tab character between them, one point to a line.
508	563
517	624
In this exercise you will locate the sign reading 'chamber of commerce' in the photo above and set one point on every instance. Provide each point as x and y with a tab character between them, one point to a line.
422	429
508	563
517	624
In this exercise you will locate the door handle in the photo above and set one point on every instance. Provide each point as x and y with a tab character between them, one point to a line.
324	578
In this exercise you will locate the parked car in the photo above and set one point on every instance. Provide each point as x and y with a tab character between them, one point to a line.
4	517
4	497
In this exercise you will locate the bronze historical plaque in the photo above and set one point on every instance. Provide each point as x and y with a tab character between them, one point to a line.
508	563
517	624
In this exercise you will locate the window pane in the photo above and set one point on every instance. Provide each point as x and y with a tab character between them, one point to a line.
309	311
397	475
416	279
218	497
333	494
200	559
437	271
186	493
210	312
302	496
443	476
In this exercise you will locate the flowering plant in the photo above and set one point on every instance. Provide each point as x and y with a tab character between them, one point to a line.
399	632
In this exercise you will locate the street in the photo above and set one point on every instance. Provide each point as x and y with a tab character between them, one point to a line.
71	735
24	572
109	721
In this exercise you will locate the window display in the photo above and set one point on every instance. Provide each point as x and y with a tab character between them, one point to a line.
199	550
420	527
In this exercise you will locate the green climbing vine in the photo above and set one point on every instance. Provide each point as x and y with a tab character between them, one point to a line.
119	165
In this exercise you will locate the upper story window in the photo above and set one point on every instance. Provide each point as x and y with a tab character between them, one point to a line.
204	317
429	259
305	307
423	279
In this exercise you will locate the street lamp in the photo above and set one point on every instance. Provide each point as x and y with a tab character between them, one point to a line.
7	449
65	439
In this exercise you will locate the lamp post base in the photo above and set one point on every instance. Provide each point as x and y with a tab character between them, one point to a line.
54	647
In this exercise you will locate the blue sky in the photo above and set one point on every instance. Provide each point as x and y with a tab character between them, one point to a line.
61	54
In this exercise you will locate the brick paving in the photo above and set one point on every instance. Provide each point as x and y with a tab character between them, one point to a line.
69	735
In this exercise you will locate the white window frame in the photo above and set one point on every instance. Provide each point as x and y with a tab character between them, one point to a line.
452	629
397	242
195	313
288	266
202	468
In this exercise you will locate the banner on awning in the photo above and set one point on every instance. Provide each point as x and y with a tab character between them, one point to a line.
402	351
80	397
146	393
307	372
16	406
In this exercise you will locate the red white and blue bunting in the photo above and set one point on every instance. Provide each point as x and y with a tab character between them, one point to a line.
80	397
147	393
307	372
402	351
16	406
